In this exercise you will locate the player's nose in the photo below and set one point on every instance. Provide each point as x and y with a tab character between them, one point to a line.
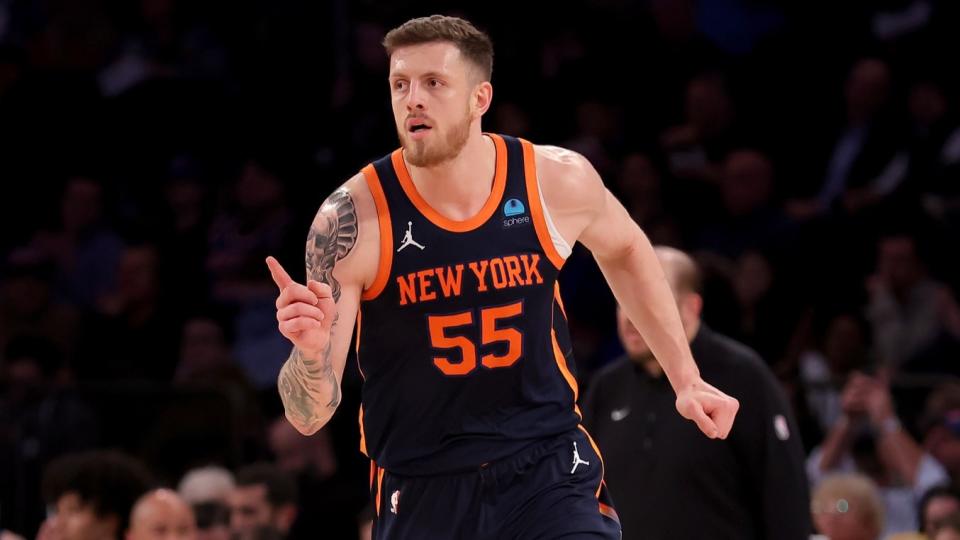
415	97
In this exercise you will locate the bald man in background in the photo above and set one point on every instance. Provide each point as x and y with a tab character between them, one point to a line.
162	515
669	482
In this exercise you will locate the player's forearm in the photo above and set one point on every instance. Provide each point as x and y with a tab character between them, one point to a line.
637	280
309	389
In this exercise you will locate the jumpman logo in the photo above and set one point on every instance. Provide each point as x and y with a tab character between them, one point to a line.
408	239
576	459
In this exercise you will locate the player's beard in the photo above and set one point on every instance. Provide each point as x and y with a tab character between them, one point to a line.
427	153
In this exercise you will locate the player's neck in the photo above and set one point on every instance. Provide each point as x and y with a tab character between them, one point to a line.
464	181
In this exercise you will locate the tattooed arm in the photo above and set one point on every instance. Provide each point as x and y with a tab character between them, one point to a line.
319	317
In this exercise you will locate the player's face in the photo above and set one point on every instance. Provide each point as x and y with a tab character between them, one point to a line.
431	89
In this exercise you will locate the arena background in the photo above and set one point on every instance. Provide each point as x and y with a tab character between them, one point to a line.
155	151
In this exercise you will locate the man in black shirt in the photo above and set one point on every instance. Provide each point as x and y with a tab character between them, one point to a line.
671	483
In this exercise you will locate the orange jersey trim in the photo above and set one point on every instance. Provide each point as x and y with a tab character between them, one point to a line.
357	346
562	364
609	512
558	298
536	209
386	234
363	436
493	201
379	488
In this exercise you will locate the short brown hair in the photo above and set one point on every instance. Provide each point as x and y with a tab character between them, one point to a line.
474	44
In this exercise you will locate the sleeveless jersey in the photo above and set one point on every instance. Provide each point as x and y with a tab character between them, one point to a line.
462	339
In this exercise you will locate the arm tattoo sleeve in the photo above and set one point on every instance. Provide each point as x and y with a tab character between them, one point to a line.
332	236
308	386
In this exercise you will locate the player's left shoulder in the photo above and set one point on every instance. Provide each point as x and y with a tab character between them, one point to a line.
567	178
555	163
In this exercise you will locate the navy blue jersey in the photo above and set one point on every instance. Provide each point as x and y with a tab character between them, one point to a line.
462	340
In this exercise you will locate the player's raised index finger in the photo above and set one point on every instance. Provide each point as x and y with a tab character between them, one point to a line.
279	275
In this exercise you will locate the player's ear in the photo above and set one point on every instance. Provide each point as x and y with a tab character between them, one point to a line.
482	97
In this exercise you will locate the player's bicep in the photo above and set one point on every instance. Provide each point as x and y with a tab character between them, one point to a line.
333	237
334	255
610	230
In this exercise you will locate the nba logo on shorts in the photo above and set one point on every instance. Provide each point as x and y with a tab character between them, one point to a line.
513	208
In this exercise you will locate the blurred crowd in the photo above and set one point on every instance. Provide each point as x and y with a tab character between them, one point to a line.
155	152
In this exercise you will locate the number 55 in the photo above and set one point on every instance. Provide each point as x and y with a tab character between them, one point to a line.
489	334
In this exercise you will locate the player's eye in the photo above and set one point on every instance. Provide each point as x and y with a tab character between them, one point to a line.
399	85
434	83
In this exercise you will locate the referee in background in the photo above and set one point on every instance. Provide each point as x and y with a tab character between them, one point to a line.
668	481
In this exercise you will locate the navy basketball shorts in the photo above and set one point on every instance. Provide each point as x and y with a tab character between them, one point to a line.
552	489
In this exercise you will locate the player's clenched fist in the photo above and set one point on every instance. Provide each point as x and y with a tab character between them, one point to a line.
304	313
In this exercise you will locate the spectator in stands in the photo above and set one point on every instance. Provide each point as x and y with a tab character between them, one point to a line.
40	418
86	250
695	149
907	309
841	348
264	501
256	224
207	490
28	305
867	161
749	218
333	499
937	503
135	317
870	439
848	507
161	515
948	528
91	495
941	423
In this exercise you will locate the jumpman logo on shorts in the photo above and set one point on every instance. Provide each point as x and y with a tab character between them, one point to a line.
576	459
408	239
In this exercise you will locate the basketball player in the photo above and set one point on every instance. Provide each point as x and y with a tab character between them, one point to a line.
443	256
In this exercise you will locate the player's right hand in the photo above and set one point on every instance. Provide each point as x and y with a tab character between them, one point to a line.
305	313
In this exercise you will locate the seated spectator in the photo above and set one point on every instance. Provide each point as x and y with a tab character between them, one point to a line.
936	504
207	490
867	162
749	217
161	514
948	528
264	502
908	309
941	422
40	418
134	314
333	496
86	251
696	147
28	305
824	368
848	507
256	223
870	439
91	495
